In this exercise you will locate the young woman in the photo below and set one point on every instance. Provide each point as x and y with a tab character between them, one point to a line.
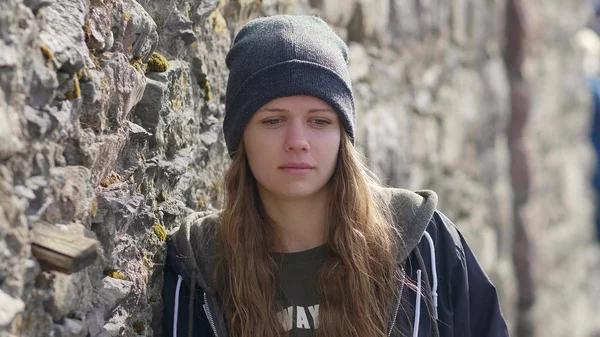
308	243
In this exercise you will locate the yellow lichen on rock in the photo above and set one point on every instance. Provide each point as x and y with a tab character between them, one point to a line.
218	21
114	274
157	63
137	64
94	207
47	52
112	178
76	90
160	231
207	90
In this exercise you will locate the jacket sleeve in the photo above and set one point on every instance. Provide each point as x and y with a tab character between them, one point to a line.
174	273
471	303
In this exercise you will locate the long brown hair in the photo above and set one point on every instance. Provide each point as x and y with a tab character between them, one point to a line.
356	284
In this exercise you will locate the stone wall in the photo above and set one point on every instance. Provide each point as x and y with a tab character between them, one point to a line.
111	129
559	213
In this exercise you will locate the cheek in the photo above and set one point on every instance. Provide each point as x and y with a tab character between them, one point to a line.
328	151
259	147
258	153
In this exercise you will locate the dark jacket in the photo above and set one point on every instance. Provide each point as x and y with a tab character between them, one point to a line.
436	258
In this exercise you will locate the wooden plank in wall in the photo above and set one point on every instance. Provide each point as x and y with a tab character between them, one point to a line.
62	251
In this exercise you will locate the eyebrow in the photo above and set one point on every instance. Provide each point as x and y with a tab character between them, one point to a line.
286	110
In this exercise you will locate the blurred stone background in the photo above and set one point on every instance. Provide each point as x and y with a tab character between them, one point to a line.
110	128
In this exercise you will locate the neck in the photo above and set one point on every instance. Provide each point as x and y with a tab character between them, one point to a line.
299	223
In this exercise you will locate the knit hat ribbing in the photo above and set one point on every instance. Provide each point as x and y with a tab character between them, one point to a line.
280	56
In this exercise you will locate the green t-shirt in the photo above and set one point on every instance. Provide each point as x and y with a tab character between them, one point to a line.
298	290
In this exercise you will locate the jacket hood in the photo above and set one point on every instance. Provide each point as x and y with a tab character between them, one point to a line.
411	212
195	241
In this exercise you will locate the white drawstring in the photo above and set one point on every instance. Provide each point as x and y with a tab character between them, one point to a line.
176	309
417	305
434	293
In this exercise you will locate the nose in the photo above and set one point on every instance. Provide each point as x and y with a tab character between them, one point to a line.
296	137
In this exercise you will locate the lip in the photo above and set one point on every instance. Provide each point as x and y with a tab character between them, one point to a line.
298	165
297	168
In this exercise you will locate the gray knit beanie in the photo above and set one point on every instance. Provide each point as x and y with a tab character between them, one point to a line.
285	55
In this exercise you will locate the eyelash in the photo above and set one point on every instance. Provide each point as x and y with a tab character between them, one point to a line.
268	122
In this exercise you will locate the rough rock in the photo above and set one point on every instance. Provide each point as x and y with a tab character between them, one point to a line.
62	34
10	308
112	293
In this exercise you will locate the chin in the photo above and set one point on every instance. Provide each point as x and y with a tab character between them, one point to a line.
294	190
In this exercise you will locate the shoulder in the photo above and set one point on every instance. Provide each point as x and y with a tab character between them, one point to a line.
198	224
441	247
192	247
443	229
448	244
411	213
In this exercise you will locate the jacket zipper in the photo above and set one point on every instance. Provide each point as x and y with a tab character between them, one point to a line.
209	315
397	306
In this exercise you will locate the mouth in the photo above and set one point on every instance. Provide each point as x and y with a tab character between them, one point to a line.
297	168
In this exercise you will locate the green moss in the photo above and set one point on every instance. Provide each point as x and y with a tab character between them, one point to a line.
139	327
153	298
114	274
207	90
160	232
157	63
76	93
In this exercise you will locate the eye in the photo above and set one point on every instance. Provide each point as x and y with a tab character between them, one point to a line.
272	121
321	122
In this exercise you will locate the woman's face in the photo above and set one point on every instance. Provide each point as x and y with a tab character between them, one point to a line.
292	145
